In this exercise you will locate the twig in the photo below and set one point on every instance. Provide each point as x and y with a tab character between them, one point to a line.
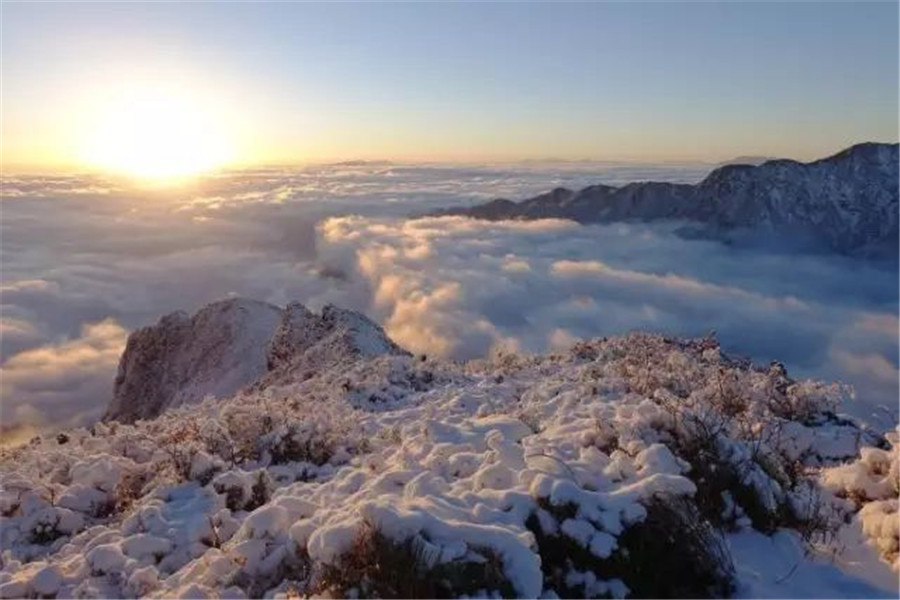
789	573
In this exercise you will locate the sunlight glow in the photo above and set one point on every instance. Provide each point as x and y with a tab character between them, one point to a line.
156	135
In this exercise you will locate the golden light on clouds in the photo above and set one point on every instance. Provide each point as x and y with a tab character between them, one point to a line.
157	135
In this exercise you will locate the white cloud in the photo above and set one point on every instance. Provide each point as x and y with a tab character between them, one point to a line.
77	251
59	383
822	315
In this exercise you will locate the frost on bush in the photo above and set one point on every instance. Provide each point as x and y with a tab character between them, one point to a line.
612	470
871	486
753	438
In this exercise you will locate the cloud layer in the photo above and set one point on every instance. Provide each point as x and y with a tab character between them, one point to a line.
460	288
87	259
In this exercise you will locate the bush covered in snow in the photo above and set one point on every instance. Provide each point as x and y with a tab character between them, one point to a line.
870	487
377	566
624	467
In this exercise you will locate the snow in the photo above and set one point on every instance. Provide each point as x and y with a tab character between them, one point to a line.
267	521
100	472
106	559
229	497
46	582
82	498
367	337
778	566
13	589
143	545
871	486
142	580
596	588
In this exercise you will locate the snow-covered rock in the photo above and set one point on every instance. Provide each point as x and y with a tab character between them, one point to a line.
231	344
305	343
182	359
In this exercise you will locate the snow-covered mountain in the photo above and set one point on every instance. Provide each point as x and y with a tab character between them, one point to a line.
847	202
747	159
230	344
638	466
306	344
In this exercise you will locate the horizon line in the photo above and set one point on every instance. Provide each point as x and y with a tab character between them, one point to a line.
74	168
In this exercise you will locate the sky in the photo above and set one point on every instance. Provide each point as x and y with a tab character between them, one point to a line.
295	83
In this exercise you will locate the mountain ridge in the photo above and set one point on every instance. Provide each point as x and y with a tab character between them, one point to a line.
846	202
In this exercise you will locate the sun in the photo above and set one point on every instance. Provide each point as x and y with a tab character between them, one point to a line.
158	136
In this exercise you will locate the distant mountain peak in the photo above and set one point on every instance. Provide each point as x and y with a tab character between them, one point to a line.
847	202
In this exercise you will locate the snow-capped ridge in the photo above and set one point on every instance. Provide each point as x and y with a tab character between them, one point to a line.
847	202
229	345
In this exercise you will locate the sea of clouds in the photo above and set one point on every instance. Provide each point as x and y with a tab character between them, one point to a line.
87	259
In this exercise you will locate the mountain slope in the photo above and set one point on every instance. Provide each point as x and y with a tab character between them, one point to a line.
847	202
229	345
639	466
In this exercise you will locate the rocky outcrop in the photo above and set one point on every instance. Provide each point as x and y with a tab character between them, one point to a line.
230	345
182	359
306	344
846	203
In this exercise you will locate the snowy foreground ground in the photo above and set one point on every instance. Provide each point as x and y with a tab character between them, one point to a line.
636	466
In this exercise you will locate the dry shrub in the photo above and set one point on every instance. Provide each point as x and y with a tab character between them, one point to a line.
701	426
181	445
379	567
673	553
129	489
46	532
260	492
715	477
292	574
302	443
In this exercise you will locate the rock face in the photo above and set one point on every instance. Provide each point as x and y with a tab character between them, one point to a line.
230	345
846	203
182	359
306	344
849	201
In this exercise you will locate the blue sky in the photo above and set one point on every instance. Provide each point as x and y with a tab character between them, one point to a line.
297	82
